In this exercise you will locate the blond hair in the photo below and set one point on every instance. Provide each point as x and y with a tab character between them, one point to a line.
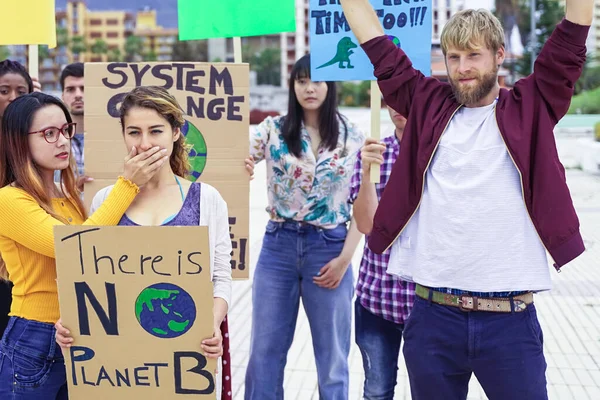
159	99
470	29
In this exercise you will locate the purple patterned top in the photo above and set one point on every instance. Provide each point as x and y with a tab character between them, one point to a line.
382	294
188	215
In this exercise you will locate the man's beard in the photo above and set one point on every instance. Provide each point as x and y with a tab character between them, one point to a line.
472	94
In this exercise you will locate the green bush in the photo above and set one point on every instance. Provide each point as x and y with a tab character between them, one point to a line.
353	94
587	102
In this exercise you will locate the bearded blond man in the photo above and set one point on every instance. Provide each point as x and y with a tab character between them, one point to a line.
476	198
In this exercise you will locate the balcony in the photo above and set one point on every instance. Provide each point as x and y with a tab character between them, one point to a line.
48	63
48	77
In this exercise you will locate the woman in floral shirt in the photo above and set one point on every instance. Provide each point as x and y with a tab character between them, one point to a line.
307	247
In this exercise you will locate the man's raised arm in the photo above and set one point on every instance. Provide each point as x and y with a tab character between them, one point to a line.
393	69
560	63
362	19
579	12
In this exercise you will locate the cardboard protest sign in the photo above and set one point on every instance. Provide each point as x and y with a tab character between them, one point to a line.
28	22
138	302
203	19
215	99
336	54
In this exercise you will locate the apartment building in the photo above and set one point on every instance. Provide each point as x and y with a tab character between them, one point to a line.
295	44
99	36
157	41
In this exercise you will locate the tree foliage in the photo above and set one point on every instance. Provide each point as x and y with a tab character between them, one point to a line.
266	64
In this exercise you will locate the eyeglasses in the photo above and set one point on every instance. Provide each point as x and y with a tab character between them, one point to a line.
52	134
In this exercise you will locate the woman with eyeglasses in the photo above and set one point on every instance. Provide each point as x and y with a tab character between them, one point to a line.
14	82
35	142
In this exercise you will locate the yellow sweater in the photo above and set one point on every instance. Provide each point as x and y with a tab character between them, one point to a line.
27	245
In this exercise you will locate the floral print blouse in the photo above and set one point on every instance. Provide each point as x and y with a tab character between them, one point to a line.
308	189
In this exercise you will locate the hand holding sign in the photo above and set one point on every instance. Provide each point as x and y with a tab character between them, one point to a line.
213	347
371	154
63	335
136	306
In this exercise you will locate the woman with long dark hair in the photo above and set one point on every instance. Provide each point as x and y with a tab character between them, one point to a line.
307	247
35	142
14	82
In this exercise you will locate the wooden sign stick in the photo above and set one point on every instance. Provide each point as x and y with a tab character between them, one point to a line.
375	125
33	63
237	50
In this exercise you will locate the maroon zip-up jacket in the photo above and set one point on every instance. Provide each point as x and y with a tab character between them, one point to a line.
526	117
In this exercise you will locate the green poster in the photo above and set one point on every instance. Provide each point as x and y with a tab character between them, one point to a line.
203	19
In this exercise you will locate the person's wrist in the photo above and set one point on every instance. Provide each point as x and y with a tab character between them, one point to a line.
345	259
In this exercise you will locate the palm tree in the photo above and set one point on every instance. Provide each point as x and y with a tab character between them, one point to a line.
150	56
4	53
114	55
133	48
62	37
267	65
43	53
190	50
99	47
78	45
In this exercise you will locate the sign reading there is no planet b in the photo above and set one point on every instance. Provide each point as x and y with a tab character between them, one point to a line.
336	54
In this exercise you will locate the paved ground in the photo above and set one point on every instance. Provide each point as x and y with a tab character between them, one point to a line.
569	314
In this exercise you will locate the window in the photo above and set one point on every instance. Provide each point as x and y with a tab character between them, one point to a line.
112	21
95	22
96	35
96	59
48	77
112	34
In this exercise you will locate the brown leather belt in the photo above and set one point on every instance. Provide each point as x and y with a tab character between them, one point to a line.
473	303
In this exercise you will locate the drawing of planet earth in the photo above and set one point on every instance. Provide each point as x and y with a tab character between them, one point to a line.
165	310
395	40
197	154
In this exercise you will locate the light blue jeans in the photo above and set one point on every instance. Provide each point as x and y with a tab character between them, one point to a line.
292	254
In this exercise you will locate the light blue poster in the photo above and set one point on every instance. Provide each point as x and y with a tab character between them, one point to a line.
336	54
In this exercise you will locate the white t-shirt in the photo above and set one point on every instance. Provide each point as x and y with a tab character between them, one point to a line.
214	215
472	230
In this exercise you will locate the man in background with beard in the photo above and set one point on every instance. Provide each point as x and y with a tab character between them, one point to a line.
475	199
72	84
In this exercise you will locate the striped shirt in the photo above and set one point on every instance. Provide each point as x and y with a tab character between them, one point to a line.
382	294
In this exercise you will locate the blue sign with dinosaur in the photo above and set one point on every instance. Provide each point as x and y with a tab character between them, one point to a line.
336	54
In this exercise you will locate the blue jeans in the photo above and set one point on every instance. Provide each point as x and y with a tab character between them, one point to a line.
443	346
379	342
31	363
291	257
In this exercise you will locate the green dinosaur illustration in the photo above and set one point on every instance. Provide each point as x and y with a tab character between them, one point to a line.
343	54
